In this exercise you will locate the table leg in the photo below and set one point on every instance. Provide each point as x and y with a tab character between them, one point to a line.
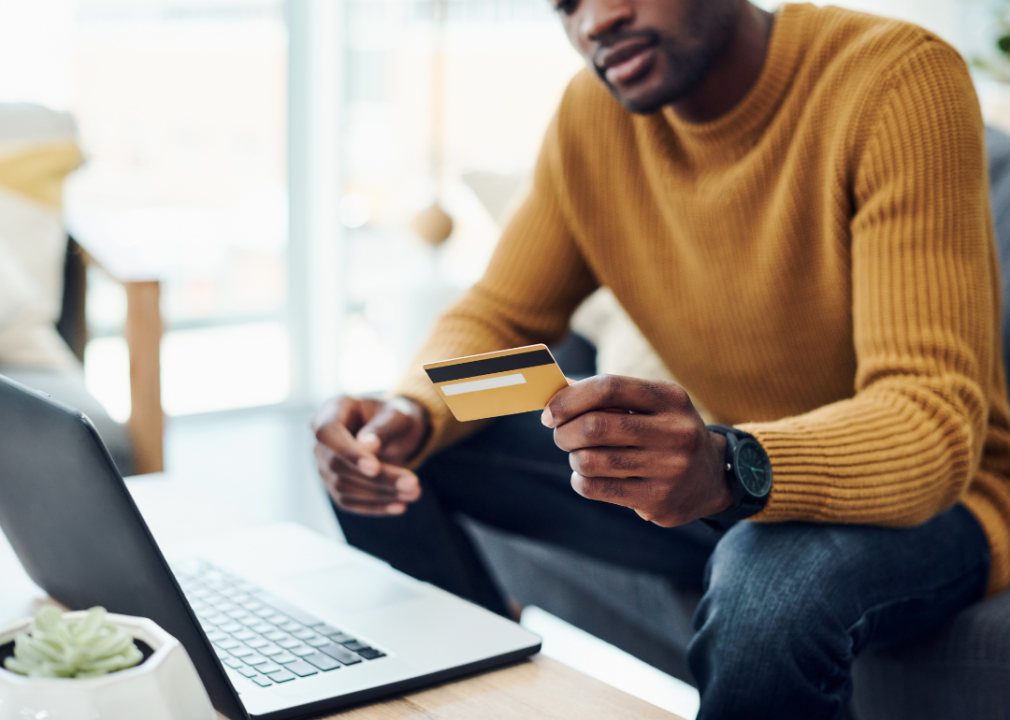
143	335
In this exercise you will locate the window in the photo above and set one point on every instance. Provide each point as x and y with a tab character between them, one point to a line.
505	64
182	109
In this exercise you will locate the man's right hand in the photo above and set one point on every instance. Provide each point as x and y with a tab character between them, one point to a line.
361	447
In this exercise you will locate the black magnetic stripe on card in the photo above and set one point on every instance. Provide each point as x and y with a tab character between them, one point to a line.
476	368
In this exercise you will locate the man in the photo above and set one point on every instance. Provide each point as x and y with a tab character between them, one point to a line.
794	210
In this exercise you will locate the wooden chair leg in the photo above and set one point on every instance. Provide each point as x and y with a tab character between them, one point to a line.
143	336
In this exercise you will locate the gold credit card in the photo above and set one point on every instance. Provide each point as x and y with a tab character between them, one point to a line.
498	383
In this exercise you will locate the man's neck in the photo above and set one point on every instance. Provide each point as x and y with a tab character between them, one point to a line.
735	72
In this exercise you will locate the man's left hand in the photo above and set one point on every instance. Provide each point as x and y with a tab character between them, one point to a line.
641	444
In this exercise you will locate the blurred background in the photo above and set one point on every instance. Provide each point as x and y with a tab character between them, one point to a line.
260	164
197	121
259	156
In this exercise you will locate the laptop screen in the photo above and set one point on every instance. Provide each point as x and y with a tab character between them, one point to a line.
70	518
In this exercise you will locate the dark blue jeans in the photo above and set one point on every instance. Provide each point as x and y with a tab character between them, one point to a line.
786	607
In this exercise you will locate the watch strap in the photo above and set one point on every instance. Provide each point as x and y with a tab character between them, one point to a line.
744	505
727	430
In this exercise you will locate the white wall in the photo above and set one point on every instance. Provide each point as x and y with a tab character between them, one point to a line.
36	51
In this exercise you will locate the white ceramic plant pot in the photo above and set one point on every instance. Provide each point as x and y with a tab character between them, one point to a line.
163	687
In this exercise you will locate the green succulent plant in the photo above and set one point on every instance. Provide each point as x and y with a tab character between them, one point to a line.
56	647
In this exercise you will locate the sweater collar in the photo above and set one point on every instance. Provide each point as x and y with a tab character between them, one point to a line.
740	127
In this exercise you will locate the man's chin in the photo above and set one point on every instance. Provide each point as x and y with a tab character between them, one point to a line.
658	88
646	96
645	101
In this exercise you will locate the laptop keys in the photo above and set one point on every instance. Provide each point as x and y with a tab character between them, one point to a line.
365	651
340	637
282	676
267	667
323	662
301	668
263	637
292	611
339	653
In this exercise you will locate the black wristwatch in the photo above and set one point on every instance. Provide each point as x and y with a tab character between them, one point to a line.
748	473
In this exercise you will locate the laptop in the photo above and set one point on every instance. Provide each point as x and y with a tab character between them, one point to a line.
279	622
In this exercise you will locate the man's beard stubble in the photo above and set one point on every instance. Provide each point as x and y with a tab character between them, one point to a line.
687	63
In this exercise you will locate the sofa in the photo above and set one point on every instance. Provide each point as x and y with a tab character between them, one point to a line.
960	671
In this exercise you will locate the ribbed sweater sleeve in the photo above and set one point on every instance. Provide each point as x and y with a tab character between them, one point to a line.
909	441
534	281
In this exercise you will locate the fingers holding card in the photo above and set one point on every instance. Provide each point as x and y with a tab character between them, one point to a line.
498	383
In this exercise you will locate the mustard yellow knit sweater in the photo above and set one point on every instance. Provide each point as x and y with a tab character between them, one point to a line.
817	267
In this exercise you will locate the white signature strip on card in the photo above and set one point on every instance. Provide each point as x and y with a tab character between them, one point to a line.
487	384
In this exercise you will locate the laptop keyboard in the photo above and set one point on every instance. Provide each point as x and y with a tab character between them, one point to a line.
262	636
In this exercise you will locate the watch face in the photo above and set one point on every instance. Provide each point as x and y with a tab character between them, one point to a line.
753	468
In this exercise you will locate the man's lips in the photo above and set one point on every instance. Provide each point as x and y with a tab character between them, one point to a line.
626	60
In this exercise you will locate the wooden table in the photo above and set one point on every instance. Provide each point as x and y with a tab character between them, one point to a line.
141	280
538	689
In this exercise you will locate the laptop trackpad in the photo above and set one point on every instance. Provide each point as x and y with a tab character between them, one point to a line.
350	587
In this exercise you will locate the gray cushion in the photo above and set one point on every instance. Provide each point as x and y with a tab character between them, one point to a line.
640	613
960	671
